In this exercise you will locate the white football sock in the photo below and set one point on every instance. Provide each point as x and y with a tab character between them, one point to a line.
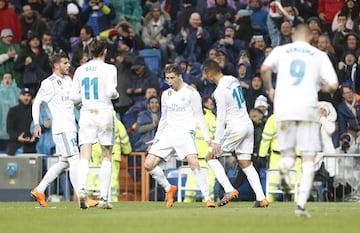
202	183
73	174
105	179
254	180
307	178
52	173
83	171
220	175
158	175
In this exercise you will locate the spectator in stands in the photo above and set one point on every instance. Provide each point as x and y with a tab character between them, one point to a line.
81	52
258	18
316	32
278	31
18	125
142	78
129	11
215	18
192	42
153	32
231	44
312	21
98	14
47	44
327	10
257	52
139	106
9	93
31	22
222	58
54	10
182	18
243	30
9	19
244	75
324	44
307	8
8	54
349	112
255	89
351	10
340	35
33	63
128	33
262	103
349	71
351	42
64	30
147	123
123	63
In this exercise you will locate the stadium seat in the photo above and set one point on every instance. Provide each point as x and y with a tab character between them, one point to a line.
95	190
184	171
273	183
152	58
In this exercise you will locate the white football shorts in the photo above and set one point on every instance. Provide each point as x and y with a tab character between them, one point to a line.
239	138
168	143
66	144
304	135
96	125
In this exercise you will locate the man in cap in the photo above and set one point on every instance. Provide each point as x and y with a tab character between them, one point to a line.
8	53
18	125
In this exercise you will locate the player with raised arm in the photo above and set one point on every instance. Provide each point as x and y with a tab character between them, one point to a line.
301	71
94	85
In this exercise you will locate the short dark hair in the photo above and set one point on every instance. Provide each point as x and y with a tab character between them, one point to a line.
210	65
98	47
56	58
172	68
88	30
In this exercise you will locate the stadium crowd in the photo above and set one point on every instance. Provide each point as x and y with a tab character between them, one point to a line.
237	34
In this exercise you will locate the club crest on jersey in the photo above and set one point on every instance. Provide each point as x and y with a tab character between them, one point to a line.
59	82
169	93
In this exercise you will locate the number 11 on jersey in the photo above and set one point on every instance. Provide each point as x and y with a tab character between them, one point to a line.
90	87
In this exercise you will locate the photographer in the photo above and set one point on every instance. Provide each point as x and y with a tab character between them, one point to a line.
98	15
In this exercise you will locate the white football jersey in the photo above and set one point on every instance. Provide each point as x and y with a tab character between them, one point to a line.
94	85
230	104
181	110
55	91
300	67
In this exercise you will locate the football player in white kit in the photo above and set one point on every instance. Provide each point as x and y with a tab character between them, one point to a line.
234	132
301	71
55	91
94	85
180	111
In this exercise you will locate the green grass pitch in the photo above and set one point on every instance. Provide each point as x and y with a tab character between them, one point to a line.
154	217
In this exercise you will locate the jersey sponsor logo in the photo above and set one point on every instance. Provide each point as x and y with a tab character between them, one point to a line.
176	108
